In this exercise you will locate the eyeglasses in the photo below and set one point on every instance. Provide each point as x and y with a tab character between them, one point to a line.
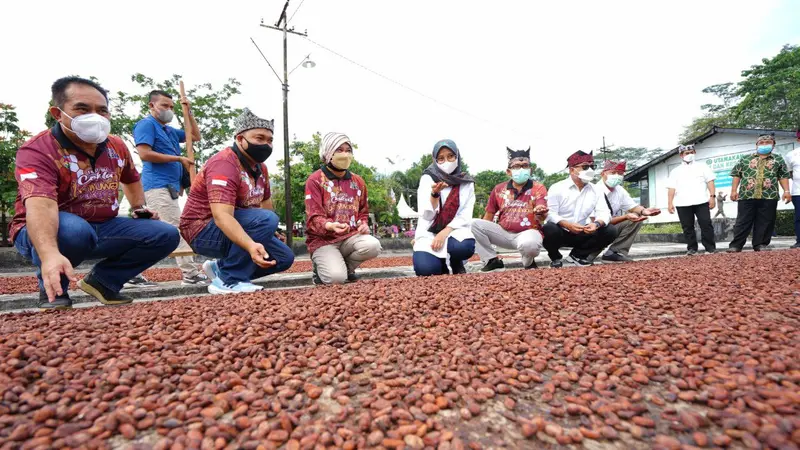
586	166
517	166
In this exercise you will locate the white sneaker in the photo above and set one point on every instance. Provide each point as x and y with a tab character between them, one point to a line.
211	269
251	286
218	287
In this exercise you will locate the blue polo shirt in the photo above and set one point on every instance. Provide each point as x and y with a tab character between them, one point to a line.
165	140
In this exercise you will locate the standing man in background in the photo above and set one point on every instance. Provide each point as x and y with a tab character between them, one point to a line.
163	165
691	190
793	163
720	204
756	178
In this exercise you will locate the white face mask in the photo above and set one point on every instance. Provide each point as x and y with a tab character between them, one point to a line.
586	175
91	128
613	180
166	115
688	158
448	166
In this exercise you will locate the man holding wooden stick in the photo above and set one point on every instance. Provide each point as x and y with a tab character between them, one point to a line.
163	166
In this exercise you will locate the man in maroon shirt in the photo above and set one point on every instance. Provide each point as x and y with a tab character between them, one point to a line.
68	201
337	215
228	214
514	215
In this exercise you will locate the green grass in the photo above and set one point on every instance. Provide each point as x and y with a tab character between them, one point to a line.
661	228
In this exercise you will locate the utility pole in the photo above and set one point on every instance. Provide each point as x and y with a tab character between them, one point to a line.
284	21
605	150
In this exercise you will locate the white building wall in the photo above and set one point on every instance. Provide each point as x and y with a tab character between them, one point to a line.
721	151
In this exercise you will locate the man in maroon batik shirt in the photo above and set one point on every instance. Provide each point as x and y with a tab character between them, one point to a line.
337	215
68	200
514	215
229	212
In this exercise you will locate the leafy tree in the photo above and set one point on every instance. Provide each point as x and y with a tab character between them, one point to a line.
554	178
484	183
767	97
11	138
211	109
770	92
635	156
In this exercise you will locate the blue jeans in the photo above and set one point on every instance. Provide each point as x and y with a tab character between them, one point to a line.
126	246
234	262
426	264
796	203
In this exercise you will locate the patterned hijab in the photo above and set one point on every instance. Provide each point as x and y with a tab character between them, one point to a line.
330	143
452	179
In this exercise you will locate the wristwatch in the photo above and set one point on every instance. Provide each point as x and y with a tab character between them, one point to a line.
597	222
436	195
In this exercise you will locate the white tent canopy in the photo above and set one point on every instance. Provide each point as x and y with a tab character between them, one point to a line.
405	211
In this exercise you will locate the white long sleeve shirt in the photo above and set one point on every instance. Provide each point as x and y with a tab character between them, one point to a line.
620	200
690	182
566	202
793	163
461	223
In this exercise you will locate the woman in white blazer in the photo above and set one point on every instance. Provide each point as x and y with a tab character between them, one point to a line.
446	198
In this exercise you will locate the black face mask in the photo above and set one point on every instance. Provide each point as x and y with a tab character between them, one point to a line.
259	153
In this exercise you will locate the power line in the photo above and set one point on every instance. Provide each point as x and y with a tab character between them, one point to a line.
408	88
265	59
298	9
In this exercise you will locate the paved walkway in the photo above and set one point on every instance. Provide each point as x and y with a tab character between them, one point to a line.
173	289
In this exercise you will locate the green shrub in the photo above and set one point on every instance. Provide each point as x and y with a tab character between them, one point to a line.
784	224
662	228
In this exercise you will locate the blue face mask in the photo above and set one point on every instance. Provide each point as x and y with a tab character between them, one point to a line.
520	176
764	149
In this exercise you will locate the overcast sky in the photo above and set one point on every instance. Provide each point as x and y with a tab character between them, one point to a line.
556	76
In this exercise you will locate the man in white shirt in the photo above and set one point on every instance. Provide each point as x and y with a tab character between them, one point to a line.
578	215
793	162
691	192
625	213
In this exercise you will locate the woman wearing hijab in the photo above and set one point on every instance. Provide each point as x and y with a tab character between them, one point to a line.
446	197
338	234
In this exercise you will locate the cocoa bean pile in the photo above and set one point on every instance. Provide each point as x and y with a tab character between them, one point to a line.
25	284
673	353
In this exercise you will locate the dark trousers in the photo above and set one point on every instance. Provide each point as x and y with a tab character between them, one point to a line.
758	216
235	264
426	264
686	215
126	246
582	245
796	203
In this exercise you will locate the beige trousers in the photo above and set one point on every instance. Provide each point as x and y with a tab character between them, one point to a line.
335	261
170	212
622	245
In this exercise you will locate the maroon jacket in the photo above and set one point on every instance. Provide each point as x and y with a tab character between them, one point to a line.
332	199
49	165
222	180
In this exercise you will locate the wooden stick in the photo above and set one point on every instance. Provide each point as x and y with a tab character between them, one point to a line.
187	128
